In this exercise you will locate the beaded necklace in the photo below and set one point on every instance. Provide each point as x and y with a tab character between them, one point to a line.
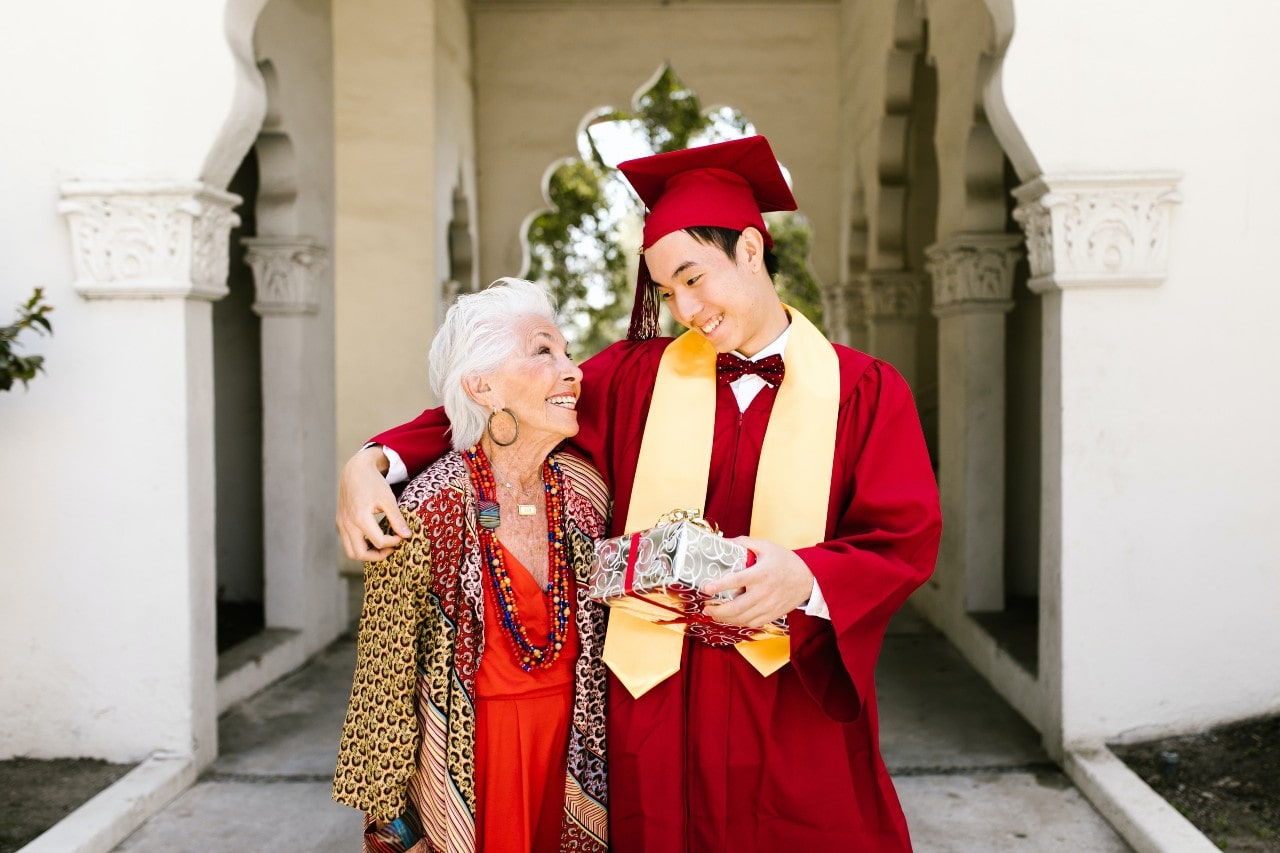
530	656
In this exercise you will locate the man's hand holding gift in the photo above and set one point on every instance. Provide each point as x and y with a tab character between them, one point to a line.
777	583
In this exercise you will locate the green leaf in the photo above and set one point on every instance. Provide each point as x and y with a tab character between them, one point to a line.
32	315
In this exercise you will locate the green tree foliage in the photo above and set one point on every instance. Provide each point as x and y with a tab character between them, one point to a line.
573	251
33	314
583	248
791	241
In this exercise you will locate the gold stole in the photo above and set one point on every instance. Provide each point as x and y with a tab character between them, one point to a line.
793	479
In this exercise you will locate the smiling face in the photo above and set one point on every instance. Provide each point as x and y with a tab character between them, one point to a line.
729	301
539	383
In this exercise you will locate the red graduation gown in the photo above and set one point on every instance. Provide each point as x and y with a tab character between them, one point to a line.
718	757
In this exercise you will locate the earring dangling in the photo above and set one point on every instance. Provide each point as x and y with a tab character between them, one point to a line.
488	427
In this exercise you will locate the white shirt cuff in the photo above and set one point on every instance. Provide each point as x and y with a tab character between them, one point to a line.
396	472
817	605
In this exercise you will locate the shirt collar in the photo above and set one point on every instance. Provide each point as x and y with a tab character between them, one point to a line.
776	348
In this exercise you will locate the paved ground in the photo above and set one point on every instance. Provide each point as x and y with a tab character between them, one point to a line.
970	772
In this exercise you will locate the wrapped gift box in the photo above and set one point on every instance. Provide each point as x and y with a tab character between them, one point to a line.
658	574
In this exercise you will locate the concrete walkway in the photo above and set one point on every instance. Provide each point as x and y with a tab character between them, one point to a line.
970	772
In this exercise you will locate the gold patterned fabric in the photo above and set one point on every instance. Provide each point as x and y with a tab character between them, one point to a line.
406	754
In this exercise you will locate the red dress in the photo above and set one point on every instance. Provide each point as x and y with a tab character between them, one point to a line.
717	757
522	728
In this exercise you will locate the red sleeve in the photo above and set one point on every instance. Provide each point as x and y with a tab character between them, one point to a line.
420	442
617	387
593	438
885	528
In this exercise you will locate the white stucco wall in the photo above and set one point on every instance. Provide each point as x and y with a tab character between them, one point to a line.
541	71
106	623
1170	574
107	630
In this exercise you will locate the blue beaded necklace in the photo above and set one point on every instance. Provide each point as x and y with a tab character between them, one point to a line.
529	656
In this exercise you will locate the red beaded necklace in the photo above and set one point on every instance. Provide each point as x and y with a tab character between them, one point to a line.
530	656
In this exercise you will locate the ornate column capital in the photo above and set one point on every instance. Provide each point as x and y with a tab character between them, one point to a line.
973	272
892	295
848	299
148	239
856	295
286	273
1098	230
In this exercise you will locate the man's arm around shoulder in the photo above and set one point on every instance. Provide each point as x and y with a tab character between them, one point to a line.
363	494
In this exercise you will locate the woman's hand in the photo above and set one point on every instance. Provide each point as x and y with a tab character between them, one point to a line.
363	495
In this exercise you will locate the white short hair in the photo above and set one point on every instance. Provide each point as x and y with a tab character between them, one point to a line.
478	334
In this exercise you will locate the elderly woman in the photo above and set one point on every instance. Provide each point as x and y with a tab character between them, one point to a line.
476	720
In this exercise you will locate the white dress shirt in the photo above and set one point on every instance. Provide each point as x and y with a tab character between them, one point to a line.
745	388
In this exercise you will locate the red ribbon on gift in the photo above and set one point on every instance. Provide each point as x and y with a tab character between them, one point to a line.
628	581
721	634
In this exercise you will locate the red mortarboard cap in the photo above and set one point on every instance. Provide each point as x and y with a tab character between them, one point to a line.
726	185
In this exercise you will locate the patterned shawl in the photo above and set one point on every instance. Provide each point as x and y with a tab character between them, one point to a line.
420	643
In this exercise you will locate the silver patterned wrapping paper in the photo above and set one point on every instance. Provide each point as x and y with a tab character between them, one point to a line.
658	574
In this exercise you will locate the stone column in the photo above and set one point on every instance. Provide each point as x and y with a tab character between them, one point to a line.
287	275
152	256
857	314
449	290
972	293
893	318
841	314
844	308
1086	234
833	312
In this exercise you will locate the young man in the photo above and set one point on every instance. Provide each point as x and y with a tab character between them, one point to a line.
813	449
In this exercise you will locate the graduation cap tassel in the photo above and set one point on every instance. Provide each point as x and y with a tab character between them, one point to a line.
644	314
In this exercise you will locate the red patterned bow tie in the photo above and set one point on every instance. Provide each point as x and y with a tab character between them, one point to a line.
730	368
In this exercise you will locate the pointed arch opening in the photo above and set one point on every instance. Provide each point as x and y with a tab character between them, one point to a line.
583	247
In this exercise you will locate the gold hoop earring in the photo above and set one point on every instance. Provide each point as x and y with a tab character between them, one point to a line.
488	427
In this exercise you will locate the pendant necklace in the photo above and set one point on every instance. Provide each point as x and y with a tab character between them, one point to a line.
529	655
522	508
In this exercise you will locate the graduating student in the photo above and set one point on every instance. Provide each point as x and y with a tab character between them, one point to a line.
812	453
